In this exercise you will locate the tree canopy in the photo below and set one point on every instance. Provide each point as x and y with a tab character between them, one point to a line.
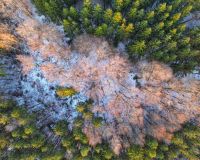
150	30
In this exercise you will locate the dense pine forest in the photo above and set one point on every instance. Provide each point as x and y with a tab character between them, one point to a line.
100	80
20	132
150	29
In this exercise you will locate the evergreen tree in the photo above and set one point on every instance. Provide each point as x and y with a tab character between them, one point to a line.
70	2
161	8
73	13
2	73
101	30
53	9
135	153
65	13
17	133
67	142
30	129
61	128
4	119
37	141
85	151
107	153
40	4
108	14
97	121
117	18
65	92
138	47
3	142
97	13
81	108
135	22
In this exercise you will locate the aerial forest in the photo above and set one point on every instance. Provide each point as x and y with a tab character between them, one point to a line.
99	79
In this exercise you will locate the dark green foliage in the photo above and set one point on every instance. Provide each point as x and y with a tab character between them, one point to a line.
195	5
76	141
28	142
51	8
2	73
107	153
24	137
135	152
6	105
152	31
60	128
97	121
70	2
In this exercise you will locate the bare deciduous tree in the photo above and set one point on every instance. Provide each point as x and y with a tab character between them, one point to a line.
7	40
27	63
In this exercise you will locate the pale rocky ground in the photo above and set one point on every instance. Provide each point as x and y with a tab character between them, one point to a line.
156	103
